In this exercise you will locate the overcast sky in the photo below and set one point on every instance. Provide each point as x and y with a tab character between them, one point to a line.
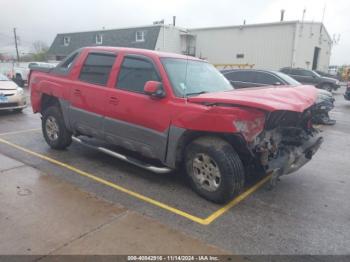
43	19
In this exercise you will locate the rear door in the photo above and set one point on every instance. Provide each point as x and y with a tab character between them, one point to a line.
134	120
88	94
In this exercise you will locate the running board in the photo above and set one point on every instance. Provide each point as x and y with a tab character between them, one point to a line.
136	162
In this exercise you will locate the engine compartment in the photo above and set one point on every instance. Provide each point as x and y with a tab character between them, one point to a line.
287	142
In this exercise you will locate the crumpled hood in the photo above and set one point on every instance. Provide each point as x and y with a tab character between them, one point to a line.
270	98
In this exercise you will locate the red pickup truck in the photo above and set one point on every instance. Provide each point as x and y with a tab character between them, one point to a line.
165	111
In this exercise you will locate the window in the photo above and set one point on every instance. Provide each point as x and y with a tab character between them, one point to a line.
99	39
191	77
134	73
64	67
300	72
266	79
68	62
66	41
240	56
96	68
286	70
294	72
243	76
305	73
140	36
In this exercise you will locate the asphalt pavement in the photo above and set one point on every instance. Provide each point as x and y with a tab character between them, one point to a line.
308	212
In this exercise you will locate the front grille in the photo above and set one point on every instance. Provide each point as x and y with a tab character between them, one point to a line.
284	118
4	105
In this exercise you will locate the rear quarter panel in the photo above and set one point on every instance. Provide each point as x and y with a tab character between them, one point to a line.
47	83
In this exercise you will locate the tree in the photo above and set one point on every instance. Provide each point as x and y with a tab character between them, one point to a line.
40	49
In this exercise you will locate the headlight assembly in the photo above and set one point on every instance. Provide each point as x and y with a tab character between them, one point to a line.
20	91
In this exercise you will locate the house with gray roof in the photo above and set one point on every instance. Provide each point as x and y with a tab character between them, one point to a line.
155	37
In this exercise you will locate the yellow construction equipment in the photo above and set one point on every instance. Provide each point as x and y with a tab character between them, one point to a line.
232	66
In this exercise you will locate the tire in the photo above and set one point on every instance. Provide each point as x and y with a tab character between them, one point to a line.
55	132
223	159
19	81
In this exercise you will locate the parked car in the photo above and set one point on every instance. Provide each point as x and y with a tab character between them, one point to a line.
310	77
321	73
20	73
347	92
175	111
11	96
243	78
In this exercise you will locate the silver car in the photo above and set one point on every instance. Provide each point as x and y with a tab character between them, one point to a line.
11	96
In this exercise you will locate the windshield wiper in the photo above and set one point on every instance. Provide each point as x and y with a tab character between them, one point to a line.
196	93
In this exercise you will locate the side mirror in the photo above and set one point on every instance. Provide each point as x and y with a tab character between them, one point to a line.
154	89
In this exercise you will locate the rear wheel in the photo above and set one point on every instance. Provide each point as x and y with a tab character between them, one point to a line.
56	134
214	169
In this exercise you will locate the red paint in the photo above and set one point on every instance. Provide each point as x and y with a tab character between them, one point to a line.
159	114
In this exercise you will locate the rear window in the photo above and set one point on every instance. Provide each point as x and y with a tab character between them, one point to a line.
97	68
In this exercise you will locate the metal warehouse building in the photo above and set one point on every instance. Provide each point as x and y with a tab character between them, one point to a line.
268	46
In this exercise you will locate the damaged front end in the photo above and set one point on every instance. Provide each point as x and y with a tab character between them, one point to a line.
287	142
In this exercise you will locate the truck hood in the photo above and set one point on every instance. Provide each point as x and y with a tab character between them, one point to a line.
266	98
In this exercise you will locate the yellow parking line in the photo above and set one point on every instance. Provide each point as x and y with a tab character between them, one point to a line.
236	200
199	220
20	131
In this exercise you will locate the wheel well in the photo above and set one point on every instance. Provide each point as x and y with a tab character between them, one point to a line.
235	140
47	101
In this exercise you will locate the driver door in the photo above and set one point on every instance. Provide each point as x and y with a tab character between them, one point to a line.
133	119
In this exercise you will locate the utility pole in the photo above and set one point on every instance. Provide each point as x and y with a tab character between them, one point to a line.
14	33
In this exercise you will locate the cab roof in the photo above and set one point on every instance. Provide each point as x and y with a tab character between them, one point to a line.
139	51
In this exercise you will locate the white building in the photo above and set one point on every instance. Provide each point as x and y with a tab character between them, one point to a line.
268	46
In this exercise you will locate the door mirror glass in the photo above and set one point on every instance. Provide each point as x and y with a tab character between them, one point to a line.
154	89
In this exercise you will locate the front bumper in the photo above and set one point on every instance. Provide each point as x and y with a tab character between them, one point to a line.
14	102
294	157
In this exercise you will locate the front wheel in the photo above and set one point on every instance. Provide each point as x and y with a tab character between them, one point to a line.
214	169
56	134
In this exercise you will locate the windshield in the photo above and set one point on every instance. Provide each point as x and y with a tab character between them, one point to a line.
288	79
189	77
3	78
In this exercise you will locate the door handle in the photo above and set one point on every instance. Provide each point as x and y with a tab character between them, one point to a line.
113	100
77	92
